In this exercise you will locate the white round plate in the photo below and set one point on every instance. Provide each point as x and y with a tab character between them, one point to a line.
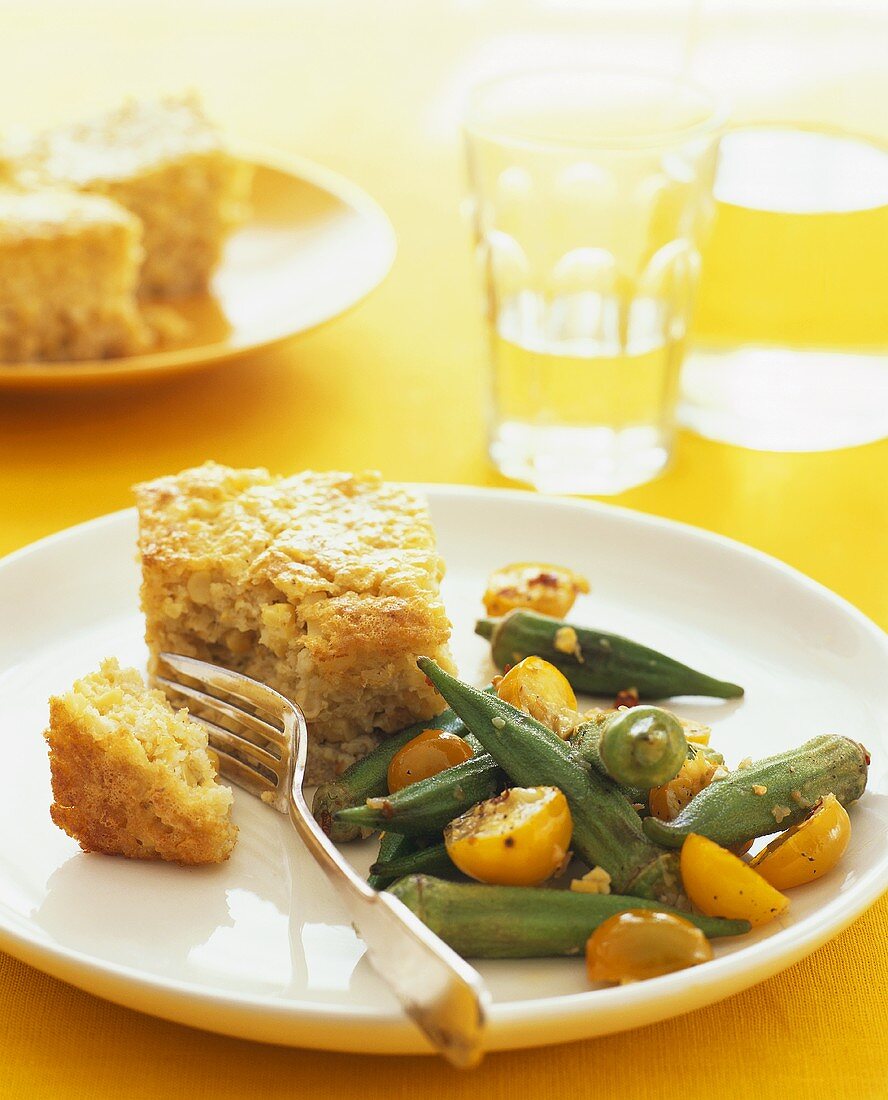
260	947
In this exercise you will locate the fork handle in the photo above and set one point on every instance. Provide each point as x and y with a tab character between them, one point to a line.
440	992
437	989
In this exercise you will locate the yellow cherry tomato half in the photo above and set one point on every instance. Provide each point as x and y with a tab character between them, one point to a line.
432	751
642	943
536	585
519	838
539	689
808	850
720	884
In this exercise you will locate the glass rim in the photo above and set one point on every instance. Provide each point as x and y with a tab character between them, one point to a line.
716	118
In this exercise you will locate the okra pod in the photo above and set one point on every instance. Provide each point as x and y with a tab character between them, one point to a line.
432	860
642	746
770	795
367	777
606	830
392	847
595	662
521	922
426	806
586	746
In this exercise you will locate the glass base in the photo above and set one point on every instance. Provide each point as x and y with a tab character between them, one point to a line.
786	399
579	460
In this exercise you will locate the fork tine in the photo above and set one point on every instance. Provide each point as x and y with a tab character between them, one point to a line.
242	717
233	742
241	687
242	774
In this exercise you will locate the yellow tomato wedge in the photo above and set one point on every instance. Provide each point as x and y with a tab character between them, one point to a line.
536	585
539	689
519	838
642	943
720	884
808	850
428	753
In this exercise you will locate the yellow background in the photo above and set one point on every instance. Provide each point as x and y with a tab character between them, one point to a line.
374	90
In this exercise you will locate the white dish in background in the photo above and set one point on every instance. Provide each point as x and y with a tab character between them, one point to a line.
259	947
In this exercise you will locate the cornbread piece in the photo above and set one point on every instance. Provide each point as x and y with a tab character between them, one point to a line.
68	270
132	777
166	163
323	585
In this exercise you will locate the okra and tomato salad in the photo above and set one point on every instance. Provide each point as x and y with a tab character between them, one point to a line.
486	812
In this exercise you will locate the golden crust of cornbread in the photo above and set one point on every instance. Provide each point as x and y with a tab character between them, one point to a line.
166	163
323	585
131	777
68	270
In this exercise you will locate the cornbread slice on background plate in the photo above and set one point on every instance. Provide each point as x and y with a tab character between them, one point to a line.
69	265
325	586
132	777
164	162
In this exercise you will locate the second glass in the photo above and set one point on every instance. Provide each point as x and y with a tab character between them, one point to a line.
591	193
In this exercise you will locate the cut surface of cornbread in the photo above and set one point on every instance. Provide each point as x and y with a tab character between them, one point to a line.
68	270
164	162
324	586
132	777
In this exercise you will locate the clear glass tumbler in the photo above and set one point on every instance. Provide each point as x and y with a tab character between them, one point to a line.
592	190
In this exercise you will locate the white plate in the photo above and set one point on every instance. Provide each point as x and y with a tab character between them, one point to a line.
259	947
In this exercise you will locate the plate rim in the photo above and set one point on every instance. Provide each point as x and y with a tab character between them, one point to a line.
376	1030
70	374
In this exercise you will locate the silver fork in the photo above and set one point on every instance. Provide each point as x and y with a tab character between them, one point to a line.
440	992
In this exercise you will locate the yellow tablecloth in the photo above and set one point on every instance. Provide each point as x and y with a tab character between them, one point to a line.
397	385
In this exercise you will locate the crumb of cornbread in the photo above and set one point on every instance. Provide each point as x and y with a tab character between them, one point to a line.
131	776
323	585
68	270
166	163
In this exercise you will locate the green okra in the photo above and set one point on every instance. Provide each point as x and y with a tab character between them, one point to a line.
606	829
642	747
392	848
426	806
521	922
586	746
368	777
432	860
769	795
586	742
595	662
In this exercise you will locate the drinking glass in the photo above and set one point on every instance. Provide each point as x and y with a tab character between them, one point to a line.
592	191
791	330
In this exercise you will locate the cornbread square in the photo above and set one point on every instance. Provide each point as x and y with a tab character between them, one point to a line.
323	585
132	777
164	162
68	270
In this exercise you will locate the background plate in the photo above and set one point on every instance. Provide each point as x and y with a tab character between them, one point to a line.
259	947
314	246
